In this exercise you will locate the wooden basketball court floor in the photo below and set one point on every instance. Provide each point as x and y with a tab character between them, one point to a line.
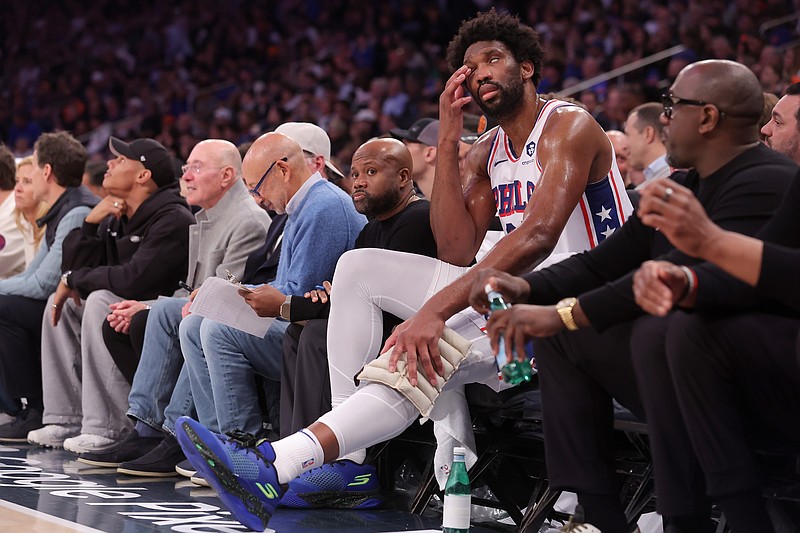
49	491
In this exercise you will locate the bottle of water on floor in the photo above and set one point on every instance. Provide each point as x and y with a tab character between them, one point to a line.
457	497
515	372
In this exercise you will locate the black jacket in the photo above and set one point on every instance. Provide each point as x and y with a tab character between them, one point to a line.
741	196
262	264
140	258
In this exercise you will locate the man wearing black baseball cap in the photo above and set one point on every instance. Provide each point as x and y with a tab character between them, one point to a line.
133	245
421	139
151	154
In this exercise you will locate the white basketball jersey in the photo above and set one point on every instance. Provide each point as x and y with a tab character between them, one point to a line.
603	208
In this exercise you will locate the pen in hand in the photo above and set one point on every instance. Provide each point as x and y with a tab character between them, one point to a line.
186	286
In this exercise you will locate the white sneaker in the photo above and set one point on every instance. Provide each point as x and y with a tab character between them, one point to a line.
53	435
87	442
197	480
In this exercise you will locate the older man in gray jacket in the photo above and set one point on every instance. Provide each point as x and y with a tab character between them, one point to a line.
229	226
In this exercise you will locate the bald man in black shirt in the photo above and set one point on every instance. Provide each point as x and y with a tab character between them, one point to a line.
400	221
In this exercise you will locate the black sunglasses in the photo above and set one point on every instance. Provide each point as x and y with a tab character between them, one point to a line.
254	190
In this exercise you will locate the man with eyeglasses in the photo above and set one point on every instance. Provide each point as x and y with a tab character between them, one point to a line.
227	228
603	346
732	370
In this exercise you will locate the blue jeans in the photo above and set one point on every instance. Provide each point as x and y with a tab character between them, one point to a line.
161	363
222	363
194	383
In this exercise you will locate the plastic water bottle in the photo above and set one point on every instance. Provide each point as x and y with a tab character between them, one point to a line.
457	498
515	372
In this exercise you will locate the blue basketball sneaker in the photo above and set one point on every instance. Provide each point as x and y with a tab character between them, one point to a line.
238	468
338	485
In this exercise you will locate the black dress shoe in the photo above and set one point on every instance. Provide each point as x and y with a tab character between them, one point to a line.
131	447
160	462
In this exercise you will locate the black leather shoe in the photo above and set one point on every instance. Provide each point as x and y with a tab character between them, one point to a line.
131	447
160	462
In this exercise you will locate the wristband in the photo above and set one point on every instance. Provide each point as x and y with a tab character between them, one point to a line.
691	283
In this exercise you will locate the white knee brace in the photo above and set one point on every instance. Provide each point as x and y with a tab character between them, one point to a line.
453	348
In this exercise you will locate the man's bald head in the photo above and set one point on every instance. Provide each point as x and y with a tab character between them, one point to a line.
214	166
729	85
713	115
223	153
275	166
264	150
381	170
393	152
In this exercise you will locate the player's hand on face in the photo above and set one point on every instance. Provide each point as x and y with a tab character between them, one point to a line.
451	104
110	205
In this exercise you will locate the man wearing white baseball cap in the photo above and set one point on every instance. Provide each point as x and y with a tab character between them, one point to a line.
317	145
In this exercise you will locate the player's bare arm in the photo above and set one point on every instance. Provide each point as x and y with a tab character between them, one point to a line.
573	152
461	206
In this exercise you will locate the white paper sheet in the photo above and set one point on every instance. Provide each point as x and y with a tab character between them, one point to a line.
219	300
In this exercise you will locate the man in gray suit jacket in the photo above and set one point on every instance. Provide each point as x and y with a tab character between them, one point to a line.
229	226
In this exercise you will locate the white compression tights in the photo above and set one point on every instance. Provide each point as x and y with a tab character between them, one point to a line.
377	413
368	281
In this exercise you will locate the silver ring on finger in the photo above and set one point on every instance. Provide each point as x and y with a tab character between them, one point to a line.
668	192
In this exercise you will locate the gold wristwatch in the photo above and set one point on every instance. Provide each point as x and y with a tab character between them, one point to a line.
564	308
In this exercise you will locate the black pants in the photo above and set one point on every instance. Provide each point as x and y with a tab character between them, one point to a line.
580	373
21	348
738	386
126	349
305	384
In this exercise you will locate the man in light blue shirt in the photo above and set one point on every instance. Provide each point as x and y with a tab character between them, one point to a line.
58	164
648	153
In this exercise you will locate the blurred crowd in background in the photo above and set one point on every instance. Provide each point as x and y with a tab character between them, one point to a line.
185	71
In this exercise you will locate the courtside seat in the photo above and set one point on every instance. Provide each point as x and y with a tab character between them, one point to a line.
511	447
511	463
